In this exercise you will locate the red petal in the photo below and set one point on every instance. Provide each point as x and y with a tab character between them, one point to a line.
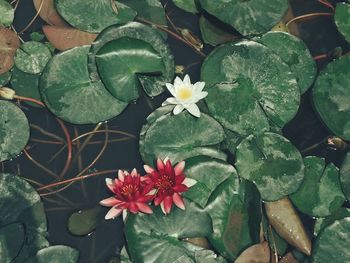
160	164
169	170
158	200
133	208
168	203
179	179
180	188
144	208
179	168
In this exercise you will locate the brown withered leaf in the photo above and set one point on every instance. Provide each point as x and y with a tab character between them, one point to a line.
48	12
9	42
64	38
259	253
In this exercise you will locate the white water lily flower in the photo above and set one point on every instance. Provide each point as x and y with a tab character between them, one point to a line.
186	95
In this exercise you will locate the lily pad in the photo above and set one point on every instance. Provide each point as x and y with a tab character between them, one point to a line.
9	42
332	244
209	174
247	17
66	89
235	210
180	137
26	85
152	84
342	19
320	193
295	54
84	222
7	13
121	61
32	57
158	238
255	81
345	176
55	254
272	162
14	130
5	78
29	211
80	13
321	223
208	256
11	241
187	5
331	97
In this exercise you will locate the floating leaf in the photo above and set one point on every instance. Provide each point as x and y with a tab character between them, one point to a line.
180	137
285	220
208	256
14	130
159	238
153	85
7	13
345	176
342	19
11	241
187	5
32	57
37	36
247	17
259	253
320	194
321	223
272	162
295	54
256	81
208	173
48	12
331	96
84	222
67	91
332	244
9	42
235	210
21	204
5	78
55	254
80	13
64	38
26	85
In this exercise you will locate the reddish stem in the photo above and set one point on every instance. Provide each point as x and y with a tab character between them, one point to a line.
326	3
320	57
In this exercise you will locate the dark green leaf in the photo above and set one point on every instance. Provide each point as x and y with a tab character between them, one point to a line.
272	163
187	5
84	222
345	176
321	223
5	78
11	241
342	19
14	130
55	254
68	92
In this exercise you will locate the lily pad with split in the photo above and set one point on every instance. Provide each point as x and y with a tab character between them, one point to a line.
7	13
9	43
342	19
55	254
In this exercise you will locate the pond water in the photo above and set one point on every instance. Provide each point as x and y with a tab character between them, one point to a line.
102	244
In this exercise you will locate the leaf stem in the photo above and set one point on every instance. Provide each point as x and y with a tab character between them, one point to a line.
295	19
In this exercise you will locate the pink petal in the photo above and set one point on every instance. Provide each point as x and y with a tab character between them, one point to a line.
158	200
121	175
109	183
179	168
168	203
148	169
113	212
160	164
144	208
110	202
133	208
178	201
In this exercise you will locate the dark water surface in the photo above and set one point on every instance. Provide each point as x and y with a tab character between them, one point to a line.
319	34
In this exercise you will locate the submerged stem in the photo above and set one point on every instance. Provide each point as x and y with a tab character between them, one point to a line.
295	19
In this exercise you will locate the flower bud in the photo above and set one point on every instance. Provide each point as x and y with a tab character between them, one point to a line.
7	93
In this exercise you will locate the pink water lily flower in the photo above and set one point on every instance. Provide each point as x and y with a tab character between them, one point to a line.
169	183
131	194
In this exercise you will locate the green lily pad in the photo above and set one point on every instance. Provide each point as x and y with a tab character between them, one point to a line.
255	81
14	130
332	244
11	241
247	17
321	223
212	34
121	61
84	222
152	84
67	91
295	54
342	19
158	238
5	78
7	13
331	97
32	57
180	137
320	193
21	204
209	174
94	15
345	176
55	254
26	85
208	256
187	5
235	210
272	163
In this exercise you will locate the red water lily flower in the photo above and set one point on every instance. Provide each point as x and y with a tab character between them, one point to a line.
169	182
131	193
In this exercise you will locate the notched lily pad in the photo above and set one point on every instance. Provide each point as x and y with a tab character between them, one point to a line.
9	42
342	19
272	162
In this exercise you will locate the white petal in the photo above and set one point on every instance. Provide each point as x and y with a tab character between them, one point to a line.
172	100
198	86
134	172
113	212
187	81
178	82
194	110
125	214
201	95
189	182
109	181
152	192
166	159
178	109
171	88
148	169
162	206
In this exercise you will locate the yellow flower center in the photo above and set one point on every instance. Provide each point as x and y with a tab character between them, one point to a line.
184	93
